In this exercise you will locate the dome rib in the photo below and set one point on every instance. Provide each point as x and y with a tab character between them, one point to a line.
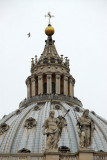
7	117
71	128
19	137
23	133
99	124
13	131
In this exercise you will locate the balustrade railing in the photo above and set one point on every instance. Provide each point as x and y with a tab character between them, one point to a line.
100	156
50	97
22	156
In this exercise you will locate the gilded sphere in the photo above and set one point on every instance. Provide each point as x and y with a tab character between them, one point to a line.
49	31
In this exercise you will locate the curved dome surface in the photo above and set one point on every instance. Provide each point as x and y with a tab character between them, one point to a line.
18	136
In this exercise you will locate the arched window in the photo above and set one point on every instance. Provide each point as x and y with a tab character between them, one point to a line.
53	87
45	88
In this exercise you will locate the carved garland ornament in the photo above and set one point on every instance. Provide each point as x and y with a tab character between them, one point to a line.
3	128
30	123
36	108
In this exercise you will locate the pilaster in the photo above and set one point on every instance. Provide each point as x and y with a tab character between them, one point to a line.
33	86
49	83
40	84
65	85
57	83
71	87
28	88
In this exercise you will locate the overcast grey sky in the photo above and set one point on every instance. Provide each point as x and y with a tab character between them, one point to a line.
80	34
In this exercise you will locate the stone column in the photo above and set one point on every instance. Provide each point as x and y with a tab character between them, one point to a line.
40	84
65	85
28	88
57	83
71	87
33	86
49	83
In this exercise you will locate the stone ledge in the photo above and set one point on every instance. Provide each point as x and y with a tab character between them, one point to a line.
49	97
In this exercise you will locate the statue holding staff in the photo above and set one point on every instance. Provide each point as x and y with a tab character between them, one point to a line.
52	128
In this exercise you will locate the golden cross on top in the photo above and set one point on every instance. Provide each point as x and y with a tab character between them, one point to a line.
49	15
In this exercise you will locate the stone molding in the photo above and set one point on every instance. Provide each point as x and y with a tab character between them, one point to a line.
45	98
66	156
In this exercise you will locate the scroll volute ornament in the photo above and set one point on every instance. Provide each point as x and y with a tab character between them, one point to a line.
30	123
85	126
3	128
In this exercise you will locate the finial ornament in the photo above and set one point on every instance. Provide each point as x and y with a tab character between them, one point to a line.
49	16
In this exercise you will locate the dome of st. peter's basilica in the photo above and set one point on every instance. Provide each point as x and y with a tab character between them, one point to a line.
31	129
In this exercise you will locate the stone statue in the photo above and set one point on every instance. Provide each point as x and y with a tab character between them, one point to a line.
85	128
52	127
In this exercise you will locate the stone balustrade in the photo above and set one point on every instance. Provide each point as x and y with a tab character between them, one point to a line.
50	97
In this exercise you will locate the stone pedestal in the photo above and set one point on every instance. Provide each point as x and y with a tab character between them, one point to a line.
86	154
71	88
52	155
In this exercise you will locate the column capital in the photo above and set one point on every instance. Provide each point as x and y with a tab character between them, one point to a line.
40	76
72	80
66	78
57	76
28	80
49	76
32	78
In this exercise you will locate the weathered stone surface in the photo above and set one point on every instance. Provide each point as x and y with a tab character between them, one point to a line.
85	128
53	127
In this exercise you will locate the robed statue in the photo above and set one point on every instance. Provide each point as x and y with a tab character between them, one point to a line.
52	128
85	126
